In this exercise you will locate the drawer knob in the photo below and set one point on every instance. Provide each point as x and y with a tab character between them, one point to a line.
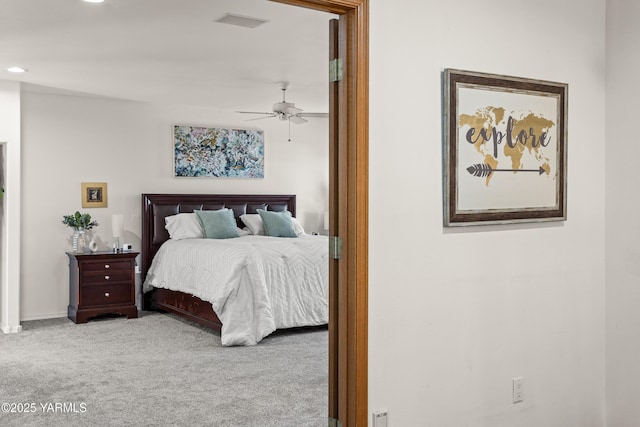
106	266
106	277
106	294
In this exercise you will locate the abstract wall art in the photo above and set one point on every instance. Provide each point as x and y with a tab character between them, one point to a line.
218	152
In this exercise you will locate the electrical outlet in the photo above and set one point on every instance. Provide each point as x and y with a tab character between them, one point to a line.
518	389
380	419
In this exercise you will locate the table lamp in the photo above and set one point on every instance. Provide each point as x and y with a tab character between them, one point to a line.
117	227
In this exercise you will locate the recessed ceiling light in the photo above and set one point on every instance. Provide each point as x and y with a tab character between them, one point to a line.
94	1
241	21
16	69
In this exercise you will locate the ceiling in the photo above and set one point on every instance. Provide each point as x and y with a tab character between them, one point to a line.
168	51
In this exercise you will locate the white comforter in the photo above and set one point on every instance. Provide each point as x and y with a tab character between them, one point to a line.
256	284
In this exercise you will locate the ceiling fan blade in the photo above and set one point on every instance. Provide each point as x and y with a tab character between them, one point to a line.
256	112
313	115
259	118
297	120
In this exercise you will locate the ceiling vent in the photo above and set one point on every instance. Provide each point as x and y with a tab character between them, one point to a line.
241	21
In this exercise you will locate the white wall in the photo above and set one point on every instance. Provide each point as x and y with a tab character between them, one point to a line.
70	139
10	222
456	314
622	206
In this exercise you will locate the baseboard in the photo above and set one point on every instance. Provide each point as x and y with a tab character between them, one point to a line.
44	316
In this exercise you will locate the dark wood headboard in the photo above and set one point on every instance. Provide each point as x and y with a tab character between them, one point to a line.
155	207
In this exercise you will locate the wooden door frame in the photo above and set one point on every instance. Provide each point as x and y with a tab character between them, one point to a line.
353	224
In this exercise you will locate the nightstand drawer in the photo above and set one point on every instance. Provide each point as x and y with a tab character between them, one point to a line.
105	295
103	278
106	266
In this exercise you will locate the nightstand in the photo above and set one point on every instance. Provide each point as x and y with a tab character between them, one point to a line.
101	283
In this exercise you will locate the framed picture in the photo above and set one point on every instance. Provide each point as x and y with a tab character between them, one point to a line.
505	149
218	152
94	194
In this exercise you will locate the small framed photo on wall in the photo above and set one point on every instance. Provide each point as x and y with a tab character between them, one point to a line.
94	194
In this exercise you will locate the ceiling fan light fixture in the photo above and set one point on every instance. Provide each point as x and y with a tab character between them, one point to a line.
241	21
286	107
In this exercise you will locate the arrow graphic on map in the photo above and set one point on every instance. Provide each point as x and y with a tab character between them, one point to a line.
485	169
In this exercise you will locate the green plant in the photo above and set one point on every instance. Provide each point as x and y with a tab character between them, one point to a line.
79	221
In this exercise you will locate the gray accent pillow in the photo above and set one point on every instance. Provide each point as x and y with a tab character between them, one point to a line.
219	224
277	224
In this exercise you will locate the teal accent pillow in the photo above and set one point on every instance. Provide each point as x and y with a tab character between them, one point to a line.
219	224
277	224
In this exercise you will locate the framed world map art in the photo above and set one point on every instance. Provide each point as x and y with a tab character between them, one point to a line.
505	149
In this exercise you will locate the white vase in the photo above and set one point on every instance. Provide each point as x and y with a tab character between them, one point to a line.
76	235
78	241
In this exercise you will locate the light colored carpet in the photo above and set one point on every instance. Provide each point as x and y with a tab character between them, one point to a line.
159	370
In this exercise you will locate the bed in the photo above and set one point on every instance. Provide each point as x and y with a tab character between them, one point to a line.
258	280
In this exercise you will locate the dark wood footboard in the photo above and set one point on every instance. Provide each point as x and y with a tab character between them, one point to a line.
187	306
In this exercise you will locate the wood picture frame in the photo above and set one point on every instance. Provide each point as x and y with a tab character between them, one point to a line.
94	195
504	149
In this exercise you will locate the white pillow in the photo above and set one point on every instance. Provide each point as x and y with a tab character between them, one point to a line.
184	226
297	227
253	223
255	226
188	226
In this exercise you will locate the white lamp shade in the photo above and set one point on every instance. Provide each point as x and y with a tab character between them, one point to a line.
117	225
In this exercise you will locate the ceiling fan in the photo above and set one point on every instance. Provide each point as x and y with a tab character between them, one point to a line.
284	110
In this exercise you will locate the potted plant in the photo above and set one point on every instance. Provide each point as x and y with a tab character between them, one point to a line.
80	223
